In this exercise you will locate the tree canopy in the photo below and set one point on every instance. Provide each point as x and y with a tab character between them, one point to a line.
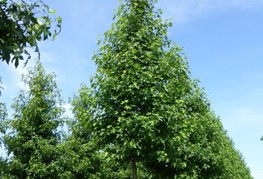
143	115
32	135
3	115
144	107
23	24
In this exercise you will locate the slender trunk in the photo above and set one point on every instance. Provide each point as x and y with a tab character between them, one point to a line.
133	167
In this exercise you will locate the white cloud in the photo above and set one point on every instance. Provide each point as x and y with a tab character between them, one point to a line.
245	126
258	175
16	77
241	120
184	10
247	115
68	110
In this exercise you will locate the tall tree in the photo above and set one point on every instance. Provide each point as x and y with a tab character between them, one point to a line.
145	108
33	137
3	115
23	24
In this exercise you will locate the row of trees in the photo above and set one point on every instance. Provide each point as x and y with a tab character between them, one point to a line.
193	146
143	116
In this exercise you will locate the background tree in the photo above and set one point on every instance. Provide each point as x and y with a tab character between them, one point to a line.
3	115
23	24
145	108
80	157
32	142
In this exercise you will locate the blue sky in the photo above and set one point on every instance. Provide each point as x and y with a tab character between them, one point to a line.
223	40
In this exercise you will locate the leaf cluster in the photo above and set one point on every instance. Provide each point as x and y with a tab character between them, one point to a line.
23	24
32	136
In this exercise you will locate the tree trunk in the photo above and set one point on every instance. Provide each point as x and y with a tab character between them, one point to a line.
133	167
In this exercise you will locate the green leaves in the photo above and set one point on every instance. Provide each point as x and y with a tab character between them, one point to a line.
23	25
32	136
142	111
144	104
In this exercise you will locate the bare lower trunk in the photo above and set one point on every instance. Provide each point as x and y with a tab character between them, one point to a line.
133	168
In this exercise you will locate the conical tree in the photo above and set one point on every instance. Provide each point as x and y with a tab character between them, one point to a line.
145	108
32	142
3	115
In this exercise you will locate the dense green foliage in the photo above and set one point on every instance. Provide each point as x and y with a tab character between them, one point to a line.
23	24
33	137
3	115
143	107
143	115
2	127
82	148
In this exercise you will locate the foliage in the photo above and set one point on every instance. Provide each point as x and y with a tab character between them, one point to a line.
23	24
142	117
33	137
82	156
144	108
3	115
